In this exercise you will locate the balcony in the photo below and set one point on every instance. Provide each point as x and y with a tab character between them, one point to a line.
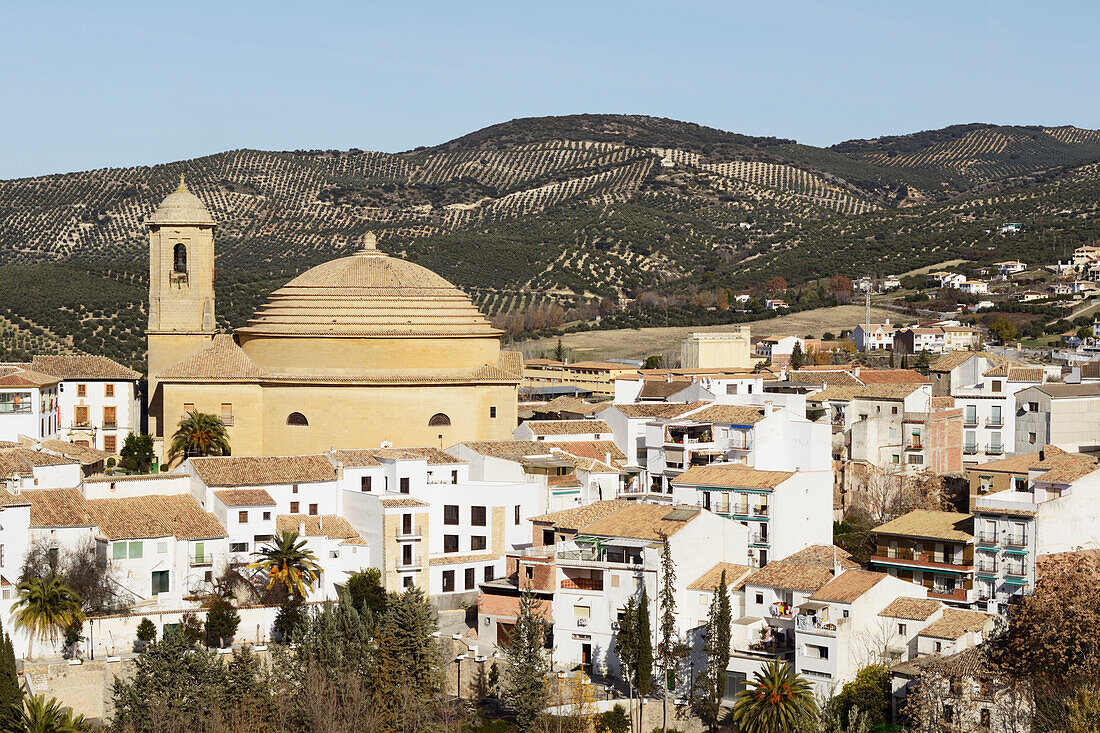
760	511
758	538
1016	540
747	445
995	450
1015	572
814	625
986	538
970	422
227	420
77	422
110	424
987	568
970	450
905	558
600	556
582	584
994	422
914	445
949	594
198	560
781	610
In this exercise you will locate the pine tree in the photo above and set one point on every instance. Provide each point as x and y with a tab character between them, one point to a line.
525	688
409	658
798	358
709	685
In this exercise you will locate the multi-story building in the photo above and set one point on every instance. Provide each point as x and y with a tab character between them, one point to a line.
1064	415
874	336
989	406
28	404
784	511
100	400
936	339
930	548
778	349
1010	267
596	378
710	350
628	424
1005	474
562	430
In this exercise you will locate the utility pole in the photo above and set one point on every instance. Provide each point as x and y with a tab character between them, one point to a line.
868	299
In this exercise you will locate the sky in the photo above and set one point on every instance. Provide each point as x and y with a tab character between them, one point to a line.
88	85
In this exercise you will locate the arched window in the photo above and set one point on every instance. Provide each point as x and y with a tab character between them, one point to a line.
439	419
179	258
296	418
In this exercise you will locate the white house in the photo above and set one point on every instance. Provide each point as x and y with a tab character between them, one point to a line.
974	287
562	430
28	404
874	336
100	400
1009	267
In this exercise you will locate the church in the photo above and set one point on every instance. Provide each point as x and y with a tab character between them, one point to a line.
352	353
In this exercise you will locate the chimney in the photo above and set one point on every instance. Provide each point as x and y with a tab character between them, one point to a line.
301	529
321	523
768	407
607	458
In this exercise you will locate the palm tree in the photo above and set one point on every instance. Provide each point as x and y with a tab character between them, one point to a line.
778	701
199	434
286	560
45	608
39	715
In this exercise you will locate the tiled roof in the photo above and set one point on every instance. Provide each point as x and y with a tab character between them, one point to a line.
223	359
21	461
830	378
1070	390
356	457
953	359
511	361
245	497
657	409
823	556
1064	468
391	502
911	609
733	476
326	525
263	470
930	524
891	376
661	390
138	517
731	414
868	391
567	427
955	623
943	403
1012	464
579	517
20	377
83	367
1091	369
639	521
511	449
572	404
433	456
735	576
86	455
594	449
848	586
791	576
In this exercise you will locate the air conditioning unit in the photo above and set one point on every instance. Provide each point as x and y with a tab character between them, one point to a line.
582	622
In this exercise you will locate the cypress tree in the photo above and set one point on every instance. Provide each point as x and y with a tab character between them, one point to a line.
643	655
525	687
669	648
10	692
709	686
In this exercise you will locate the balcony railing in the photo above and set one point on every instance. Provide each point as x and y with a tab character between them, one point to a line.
970	449
970	422
914	445
582	583
593	555
758	538
989	566
1016	571
806	622
994	422
995	450
110	424
78	423
204	559
227	420
781	610
1016	540
948	594
986	538
760	511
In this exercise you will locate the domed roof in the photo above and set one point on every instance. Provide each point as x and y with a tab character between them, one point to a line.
181	207
369	294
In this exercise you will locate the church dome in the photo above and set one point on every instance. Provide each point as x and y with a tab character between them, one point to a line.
181	207
369	294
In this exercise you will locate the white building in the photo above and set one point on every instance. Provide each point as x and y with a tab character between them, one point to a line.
100	400
874	336
974	287
28	404
562	430
1010	267
779	349
1064	415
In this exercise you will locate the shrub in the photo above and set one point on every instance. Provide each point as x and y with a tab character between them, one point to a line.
146	631
222	621
614	720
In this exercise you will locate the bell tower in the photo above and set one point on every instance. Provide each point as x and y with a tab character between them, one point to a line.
181	284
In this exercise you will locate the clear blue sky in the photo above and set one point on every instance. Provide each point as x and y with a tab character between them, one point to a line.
93	84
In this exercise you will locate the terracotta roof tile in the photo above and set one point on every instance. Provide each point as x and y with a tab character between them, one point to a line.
823	556
390	502
891	376
22	461
640	521
222	360
83	367
956	623
594	449
567	427
84	454
869	391
577	518
661	390
733	476
654	410
930	524
825	378
263	470
911	609
791	576
511	449
324	525
735	577
19	377
849	586
1013	464
245	497
953	359
728	414
139	517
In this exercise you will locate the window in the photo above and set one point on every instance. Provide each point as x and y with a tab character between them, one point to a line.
81	390
470	579
1031	438
296	418
267	516
454	477
407	581
515	518
364	483
439	420
293	507
582	612
407	555
845	613
80	420
110	443
939	647
227	413
492	412
901	629
313	510
404	485
108	390
450	543
995	415
477	542
529	572
477	516
948	714
448	581
406	524
894	410
179	258
983	718
1032	406
547	536
118	551
996	385
294	488
916	460
490	573
188	408
450	514
160	581
971	414
895	458
135	549
238	547
759	598
242	517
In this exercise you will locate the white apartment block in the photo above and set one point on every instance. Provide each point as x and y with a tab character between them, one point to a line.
874	336
783	511
989	410
100	400
28	405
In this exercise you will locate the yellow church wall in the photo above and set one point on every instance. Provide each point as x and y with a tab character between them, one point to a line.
246	403
364	416
306	354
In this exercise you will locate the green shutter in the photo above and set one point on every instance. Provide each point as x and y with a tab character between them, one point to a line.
199	552
135	549
118	551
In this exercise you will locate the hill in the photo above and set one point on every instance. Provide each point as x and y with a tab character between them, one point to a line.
550	220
